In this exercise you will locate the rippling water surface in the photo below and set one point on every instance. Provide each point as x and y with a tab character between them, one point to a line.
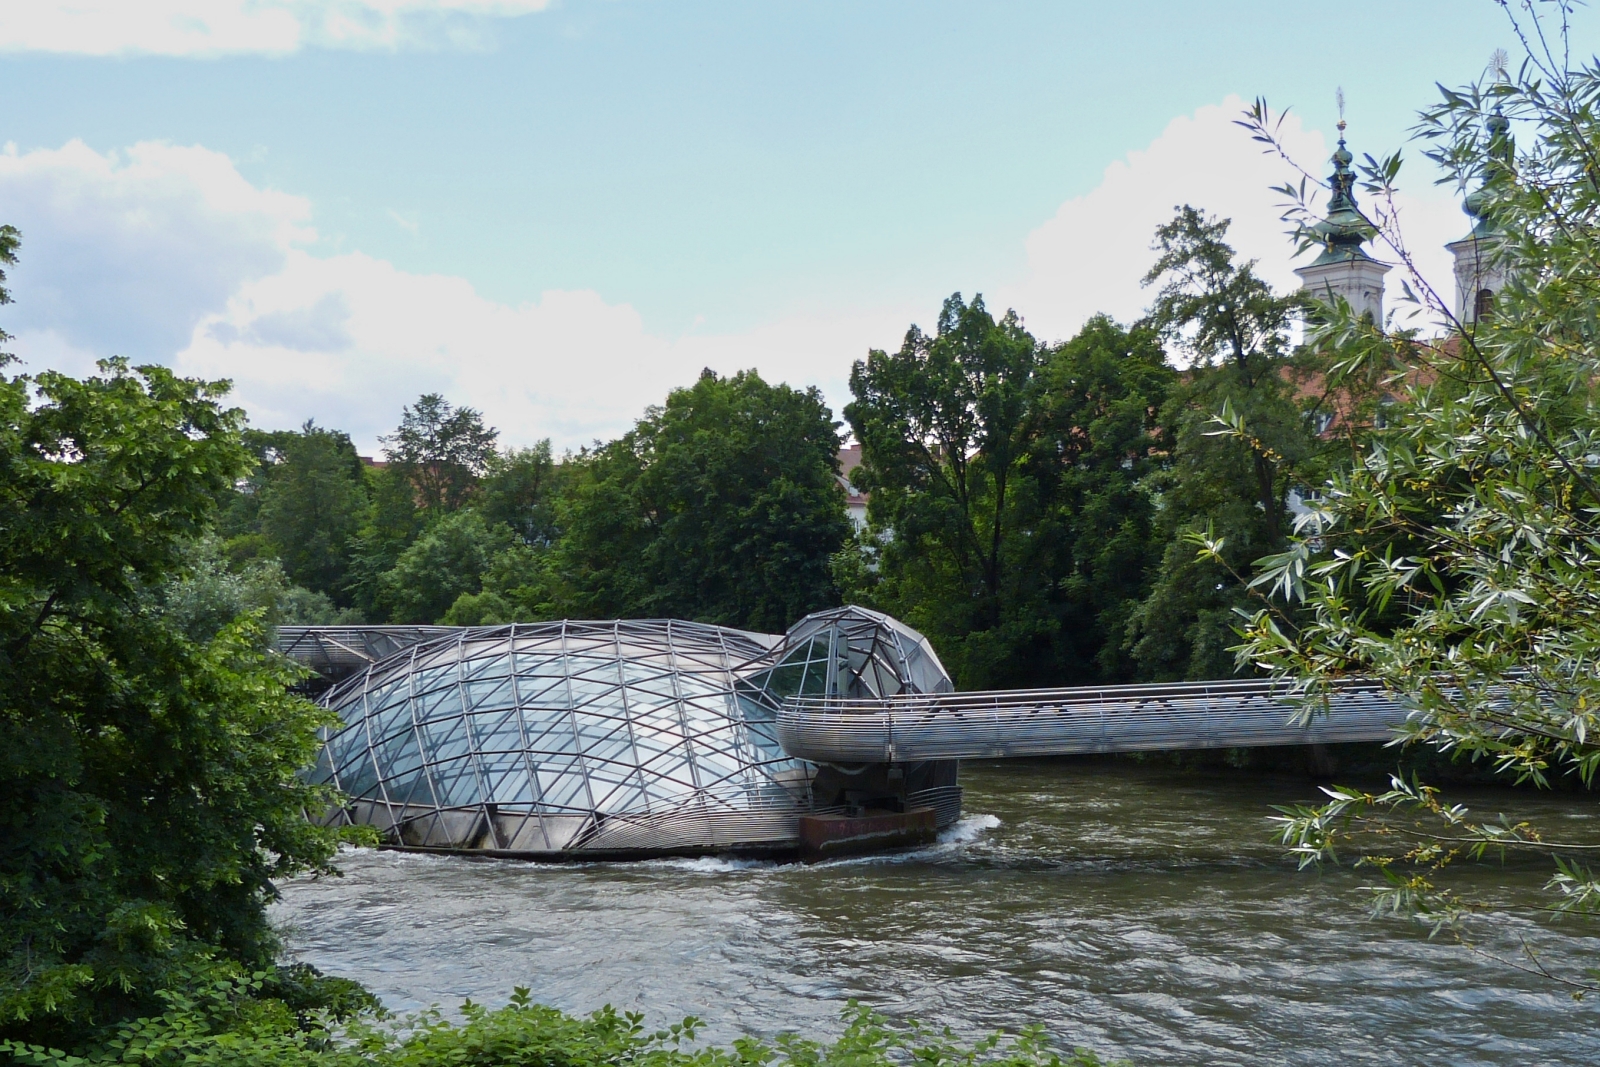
1125	910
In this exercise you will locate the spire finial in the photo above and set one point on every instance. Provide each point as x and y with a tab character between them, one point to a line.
1343	231
1499	69
1500	65
1342	179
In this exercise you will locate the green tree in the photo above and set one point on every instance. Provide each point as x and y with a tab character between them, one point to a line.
1006	518
445	563
213	591
1099	436
312	506
392	524
10	241
520	492
944	431
1456	561
1234	332
723	505
148	788
442	451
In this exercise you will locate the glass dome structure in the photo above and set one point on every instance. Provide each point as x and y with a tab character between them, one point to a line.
609	738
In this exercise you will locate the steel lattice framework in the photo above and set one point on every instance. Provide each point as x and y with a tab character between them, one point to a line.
600	738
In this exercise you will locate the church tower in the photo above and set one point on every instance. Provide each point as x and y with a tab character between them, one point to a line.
1479	273
1344	269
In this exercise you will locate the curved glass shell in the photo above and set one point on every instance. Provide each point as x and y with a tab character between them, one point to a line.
601	738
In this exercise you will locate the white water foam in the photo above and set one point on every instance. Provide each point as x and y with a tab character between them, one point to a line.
968	828
950	839
710	864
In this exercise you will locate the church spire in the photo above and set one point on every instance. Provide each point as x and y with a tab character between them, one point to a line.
1344	269
1342	231
1479	274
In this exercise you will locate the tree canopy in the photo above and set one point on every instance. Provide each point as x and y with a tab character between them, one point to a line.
1006	517
148	789
1234	334
442	451
722	505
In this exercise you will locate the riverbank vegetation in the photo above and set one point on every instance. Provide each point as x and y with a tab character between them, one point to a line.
229	1023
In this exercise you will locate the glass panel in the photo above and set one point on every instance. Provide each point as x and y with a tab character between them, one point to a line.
444	740
399	753
456	782
509	784
563	784
358	777
487	693
498	732
486	666
410	788
549	731
386	720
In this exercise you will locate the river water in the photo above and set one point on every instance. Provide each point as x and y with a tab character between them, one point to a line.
1125	908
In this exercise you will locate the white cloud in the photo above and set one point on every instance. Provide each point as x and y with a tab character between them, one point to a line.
168	253
218	27
1090	257
349	339
124	251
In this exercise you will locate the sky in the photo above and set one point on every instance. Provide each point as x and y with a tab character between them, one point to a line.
555	211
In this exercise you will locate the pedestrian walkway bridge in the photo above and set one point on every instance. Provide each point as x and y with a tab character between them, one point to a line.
1010	724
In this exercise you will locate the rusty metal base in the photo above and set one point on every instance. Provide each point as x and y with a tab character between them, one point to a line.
826	836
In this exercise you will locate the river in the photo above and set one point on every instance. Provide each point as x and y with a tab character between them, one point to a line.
1126	908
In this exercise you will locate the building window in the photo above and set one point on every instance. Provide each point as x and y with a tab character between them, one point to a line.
1483	305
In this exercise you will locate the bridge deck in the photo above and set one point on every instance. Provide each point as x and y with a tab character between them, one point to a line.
1053	722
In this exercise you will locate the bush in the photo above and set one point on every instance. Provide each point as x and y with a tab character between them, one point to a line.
238	1022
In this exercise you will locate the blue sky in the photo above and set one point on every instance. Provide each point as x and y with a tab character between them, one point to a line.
555	213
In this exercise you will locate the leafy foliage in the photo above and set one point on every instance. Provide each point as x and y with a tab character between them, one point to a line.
227	1022
10	240
943	426
1457	560
148	790
1100	441
392	523
444	564
213	591
312	504
1007	522
1234	332
441	451
521	491
721	506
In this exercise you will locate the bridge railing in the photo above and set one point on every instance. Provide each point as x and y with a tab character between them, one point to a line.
1039	722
